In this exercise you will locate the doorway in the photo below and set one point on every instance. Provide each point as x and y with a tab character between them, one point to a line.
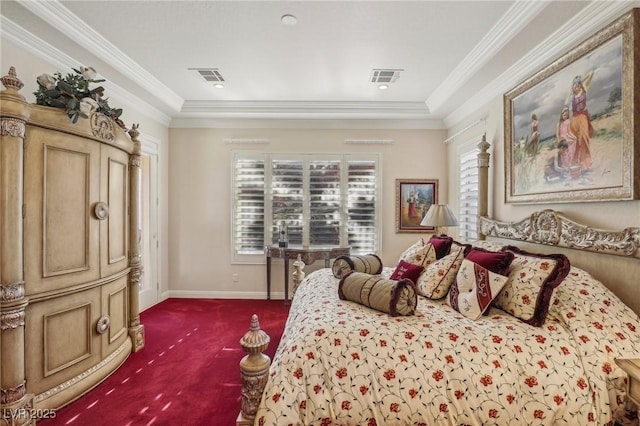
150	282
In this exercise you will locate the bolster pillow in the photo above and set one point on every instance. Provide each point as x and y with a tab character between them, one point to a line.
393	297
368	263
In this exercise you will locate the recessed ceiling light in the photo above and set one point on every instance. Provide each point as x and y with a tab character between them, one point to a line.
383	86
218	86
289	20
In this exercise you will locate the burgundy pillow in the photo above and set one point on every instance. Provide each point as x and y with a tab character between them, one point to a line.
495	261
406	270
442	244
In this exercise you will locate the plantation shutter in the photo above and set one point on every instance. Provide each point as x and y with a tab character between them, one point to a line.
249	206
287	192
362	226
323	199
468	215
324	203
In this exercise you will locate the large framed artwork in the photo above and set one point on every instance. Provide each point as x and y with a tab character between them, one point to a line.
572	130
413	199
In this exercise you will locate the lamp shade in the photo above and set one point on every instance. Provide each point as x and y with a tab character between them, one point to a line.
439	215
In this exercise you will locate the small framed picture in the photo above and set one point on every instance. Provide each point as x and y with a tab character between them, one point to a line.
413	199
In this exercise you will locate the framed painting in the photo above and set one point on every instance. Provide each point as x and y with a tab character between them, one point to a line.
572	129
413	199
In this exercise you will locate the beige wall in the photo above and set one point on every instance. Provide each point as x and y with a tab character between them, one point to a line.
200	189
607	215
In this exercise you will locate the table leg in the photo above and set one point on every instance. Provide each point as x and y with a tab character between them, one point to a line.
268	277
286	280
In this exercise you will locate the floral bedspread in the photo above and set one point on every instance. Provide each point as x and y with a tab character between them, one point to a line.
341	363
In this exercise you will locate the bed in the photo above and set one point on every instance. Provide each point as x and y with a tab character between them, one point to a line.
340	362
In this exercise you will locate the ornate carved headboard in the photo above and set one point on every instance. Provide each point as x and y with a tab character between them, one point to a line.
610	256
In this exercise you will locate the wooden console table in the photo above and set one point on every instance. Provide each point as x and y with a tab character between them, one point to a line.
308	256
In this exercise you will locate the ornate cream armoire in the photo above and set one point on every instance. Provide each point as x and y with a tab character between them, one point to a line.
70	259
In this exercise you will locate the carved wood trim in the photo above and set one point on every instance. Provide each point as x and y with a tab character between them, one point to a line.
555	229
82	376
11	292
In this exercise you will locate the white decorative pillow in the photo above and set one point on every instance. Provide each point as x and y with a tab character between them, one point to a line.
434	282
420	253
474	289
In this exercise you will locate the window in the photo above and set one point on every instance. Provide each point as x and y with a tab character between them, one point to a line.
468	215
323	199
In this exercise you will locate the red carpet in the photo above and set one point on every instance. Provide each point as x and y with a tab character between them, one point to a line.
188	372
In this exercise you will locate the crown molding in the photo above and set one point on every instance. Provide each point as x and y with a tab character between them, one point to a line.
509	25
40	48
584	24
61	18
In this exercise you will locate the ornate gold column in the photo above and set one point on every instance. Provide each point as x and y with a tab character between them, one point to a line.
15	402
136	330
483	181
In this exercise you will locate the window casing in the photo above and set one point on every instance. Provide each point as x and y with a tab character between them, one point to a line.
324	199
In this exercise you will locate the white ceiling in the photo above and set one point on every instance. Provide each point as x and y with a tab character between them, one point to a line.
453	54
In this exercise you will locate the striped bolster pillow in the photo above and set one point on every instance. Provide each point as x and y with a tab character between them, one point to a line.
393	297
368	263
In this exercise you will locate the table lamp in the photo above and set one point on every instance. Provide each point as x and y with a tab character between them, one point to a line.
439	215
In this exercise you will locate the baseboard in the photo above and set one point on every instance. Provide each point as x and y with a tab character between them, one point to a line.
194	294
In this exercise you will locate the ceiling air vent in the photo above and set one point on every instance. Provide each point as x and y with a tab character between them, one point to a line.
209	74
385	76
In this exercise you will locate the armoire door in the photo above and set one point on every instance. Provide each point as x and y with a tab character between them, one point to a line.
62	339
114	228
115	304
61	233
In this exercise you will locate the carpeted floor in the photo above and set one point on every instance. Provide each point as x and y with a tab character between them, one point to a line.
188	372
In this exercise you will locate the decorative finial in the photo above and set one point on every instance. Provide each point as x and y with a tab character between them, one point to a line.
11	81
134	133
255	340
483	146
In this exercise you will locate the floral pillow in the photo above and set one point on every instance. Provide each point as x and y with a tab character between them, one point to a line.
474	289
406	270
532	279
420	253
437	278
442	244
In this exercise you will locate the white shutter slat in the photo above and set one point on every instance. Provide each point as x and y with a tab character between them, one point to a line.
361	216
324	206
467	216
287	187
249	206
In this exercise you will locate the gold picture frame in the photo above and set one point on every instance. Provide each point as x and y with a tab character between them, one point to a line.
413	199
571	130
